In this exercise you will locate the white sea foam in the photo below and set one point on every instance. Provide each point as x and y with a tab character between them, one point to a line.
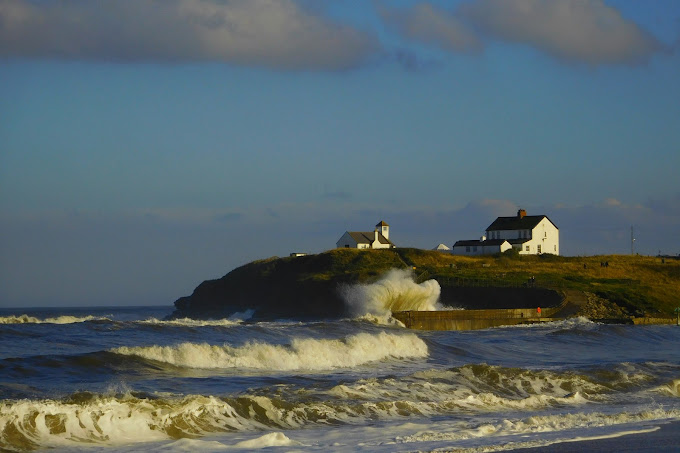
268	440
301	354
188	322
672	388
26	319
543	425
569	323
436	392
395	291
128	420
235	319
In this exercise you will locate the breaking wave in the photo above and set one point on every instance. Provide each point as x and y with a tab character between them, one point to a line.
395	291
188	322
301	354
25	319
128	418
611	425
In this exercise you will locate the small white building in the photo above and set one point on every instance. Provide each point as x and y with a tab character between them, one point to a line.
379	238
530	235
482	246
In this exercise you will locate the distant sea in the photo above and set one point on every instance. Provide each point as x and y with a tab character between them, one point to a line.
127	379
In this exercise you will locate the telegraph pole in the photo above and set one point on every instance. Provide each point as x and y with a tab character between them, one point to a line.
632	241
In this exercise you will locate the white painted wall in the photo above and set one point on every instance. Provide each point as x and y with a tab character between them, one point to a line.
545	234
480	249
545	238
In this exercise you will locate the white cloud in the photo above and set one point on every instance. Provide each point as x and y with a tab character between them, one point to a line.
430	24
270	33
576	30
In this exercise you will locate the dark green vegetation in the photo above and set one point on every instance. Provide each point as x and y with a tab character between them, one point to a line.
311	286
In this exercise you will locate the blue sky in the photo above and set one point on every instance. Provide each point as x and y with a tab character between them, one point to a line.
148	145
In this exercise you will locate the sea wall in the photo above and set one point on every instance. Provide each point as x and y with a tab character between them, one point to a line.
474	319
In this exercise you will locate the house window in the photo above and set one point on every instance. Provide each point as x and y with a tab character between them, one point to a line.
474	249
527	248
538	248
555	248
346	246
467	249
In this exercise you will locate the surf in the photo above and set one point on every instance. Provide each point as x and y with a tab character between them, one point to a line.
299	355
395	291
26	319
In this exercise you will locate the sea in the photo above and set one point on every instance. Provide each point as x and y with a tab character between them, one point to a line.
133	378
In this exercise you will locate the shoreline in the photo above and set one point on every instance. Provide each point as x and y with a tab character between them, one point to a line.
663	437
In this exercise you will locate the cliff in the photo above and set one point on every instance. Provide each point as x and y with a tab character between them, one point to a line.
310	286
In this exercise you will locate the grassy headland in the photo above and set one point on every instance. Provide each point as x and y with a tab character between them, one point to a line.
620	285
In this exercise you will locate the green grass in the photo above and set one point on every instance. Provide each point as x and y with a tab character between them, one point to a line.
639	284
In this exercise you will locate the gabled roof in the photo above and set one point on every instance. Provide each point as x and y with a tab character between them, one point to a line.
367	237
477	242
381	224
527	222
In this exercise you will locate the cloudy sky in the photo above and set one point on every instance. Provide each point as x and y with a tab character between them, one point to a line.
147	145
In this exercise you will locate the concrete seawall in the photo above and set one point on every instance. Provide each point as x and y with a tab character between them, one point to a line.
474	319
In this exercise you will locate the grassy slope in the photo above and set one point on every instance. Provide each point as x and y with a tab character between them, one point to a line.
638	284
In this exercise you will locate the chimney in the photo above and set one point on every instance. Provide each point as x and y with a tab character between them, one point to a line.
375	235
521	213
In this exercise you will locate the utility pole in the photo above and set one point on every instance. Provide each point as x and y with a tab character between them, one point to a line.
632	241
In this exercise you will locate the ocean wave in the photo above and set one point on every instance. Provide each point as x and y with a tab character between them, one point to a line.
478	388
26	319
569	323
671	389
302	353
126	419
233	320
543	426
188	322
395	291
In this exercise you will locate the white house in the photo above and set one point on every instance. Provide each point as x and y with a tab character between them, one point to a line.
529	234
379	238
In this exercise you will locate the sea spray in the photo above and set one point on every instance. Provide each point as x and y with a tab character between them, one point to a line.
26	319
302	353
395	291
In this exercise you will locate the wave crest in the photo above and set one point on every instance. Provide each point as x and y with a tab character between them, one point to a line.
26	319
395	291
301	354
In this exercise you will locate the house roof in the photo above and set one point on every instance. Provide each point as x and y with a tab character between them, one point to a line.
477	242
518	240
381	224
527	222
367	237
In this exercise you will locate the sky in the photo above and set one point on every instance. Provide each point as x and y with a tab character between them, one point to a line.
148	145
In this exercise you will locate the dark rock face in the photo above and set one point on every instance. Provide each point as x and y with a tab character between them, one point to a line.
271	299
496	298
275	288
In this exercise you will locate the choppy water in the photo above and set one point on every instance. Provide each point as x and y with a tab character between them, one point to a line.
76	379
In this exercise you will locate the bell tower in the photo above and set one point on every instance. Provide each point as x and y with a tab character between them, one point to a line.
383	228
